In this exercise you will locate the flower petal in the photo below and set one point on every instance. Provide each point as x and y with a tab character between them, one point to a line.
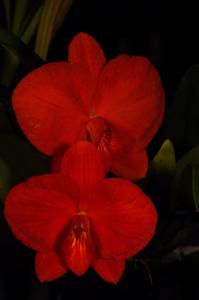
48	266
37	210
131	165
56	183
130	96
57	159
46	108
83	163
83	85
109	269
123	216
85	50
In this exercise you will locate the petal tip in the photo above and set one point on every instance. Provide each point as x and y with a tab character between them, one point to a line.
85	50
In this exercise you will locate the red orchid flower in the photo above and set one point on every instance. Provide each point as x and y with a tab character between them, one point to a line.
78	219
118	106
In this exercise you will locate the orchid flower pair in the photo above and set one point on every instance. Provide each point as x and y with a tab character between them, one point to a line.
91	117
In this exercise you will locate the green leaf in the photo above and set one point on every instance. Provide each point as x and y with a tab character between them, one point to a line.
46	25
195	186
52	16
15	46
182	122
182	180
31	24
161	172
20	9
16	53
64	8
9	68
30	17
164	162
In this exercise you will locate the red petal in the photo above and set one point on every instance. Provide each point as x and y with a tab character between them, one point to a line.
131	165
48	266
47	109
123	216
38	210
57	183
83	164
85	50
109	269
57	158
130	96
83	85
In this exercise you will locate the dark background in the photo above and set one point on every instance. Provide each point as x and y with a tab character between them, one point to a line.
127	26
119	26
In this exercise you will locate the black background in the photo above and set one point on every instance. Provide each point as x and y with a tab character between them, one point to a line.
127	26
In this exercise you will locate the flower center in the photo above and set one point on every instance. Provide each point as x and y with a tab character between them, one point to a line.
80	231
98	132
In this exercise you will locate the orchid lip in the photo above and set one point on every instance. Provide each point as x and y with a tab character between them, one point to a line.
81	213
98	131
80	227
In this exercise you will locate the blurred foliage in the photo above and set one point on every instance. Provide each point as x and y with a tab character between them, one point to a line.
163	165
185	177
182	122
28	23
21	20
52	16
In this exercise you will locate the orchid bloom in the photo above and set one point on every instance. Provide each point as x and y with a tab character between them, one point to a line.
117	106
77	219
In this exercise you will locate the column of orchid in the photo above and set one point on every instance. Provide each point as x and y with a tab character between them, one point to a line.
91	117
